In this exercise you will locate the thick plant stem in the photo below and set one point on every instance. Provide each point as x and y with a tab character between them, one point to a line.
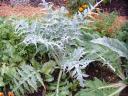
94	7
97	4
58	83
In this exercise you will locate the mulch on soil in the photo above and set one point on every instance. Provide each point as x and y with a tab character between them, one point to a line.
25	11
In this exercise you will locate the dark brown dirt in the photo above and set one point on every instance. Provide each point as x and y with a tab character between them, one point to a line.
124	92
104	73
96	69
40	92
121	6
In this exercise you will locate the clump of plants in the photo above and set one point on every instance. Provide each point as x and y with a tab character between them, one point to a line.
83	6
77	5
102	24
123	33
54	52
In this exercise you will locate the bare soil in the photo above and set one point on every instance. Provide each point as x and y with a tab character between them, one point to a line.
121	6
23	11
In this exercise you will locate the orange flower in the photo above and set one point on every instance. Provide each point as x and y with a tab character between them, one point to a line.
81	9
1	94
10	94
84	6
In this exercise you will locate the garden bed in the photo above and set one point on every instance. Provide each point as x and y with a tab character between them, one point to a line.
55	54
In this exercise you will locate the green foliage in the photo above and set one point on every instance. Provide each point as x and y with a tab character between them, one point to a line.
55	50
118	47
53	31
100	53
73	5
13	56
28	80
106	1
123	34
114	45
74	64
22	43
102	25
96	88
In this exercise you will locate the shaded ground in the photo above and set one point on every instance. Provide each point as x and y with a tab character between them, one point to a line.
124	92
103	73
96	69
121	6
